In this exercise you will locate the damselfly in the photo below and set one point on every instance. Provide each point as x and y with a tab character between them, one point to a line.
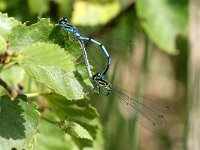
74	31
151	112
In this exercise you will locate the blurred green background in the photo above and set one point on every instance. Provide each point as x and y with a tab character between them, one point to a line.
149	51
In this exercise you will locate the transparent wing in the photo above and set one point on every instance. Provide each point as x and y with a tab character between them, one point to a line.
148	101
96	56
112	39
116	39
97	59
92	58
150	113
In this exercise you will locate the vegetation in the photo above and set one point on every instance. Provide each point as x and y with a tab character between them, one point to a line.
46	98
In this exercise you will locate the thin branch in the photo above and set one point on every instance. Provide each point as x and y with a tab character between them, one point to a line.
5	86
50	121
10	90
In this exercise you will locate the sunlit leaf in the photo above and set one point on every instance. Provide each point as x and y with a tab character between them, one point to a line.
2	5
42	31
18	123
6	25
164	21
60	81
48	63
46	54
91	14
23	35
2	43
37	7
13	76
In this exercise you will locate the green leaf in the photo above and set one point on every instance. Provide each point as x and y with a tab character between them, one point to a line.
2	44
66	108
75	130
65	83
12	76
7	24
80	120
38	7
51	137
18	123
94	10
2	5
48	63
165	23
23	35
44	32
46	54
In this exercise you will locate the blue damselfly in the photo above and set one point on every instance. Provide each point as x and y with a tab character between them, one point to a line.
150	112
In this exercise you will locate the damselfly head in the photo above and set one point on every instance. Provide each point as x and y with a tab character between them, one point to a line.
64	23
70	28
63	20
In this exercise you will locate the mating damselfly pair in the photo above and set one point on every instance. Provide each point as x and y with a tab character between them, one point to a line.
151	112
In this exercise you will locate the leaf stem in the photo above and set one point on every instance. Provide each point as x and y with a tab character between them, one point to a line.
50	121
36	94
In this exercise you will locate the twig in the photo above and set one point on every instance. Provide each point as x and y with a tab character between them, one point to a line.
4	84
50	121
10	90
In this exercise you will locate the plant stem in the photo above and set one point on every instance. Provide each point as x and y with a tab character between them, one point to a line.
50	121
36	94
5	86
32	94
10	90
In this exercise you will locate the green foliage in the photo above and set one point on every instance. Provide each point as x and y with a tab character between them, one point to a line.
9	76
76	130
169	16
38	6
95	9
24	35
82	117
41	64
18	123
48	63
46	54
42	55
60	81
81	121
51	137
6	25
